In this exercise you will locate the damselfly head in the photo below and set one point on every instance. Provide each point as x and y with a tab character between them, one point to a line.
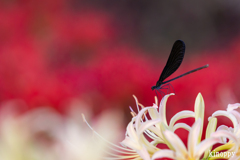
154	87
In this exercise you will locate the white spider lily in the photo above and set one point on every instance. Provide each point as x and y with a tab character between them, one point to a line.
154	126
120	152
149	127
43	134
159	114
225	132
233	115
135	138
79	141
27	136
180	152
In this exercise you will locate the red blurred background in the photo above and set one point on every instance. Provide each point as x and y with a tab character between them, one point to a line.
103	52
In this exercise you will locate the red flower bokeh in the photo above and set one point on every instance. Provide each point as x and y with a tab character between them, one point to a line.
50	53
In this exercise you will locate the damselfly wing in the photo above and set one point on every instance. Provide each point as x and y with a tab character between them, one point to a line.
174	61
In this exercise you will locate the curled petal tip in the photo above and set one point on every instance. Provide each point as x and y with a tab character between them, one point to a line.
84	119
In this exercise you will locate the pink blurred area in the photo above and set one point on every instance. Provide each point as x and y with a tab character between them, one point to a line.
51	52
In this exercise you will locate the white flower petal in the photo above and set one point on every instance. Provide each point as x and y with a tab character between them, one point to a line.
149	146
176	142
236	114
199	107
181	125
145	125
139	117
223	127
162	108
156	131
130	143
230	116
233	106
131	131
205	145
212	124
180	115
234	157
193	137
211	128
144	153
154	113
164	153
156	142
154	105
228	135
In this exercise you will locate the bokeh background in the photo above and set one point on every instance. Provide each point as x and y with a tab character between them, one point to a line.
100	53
